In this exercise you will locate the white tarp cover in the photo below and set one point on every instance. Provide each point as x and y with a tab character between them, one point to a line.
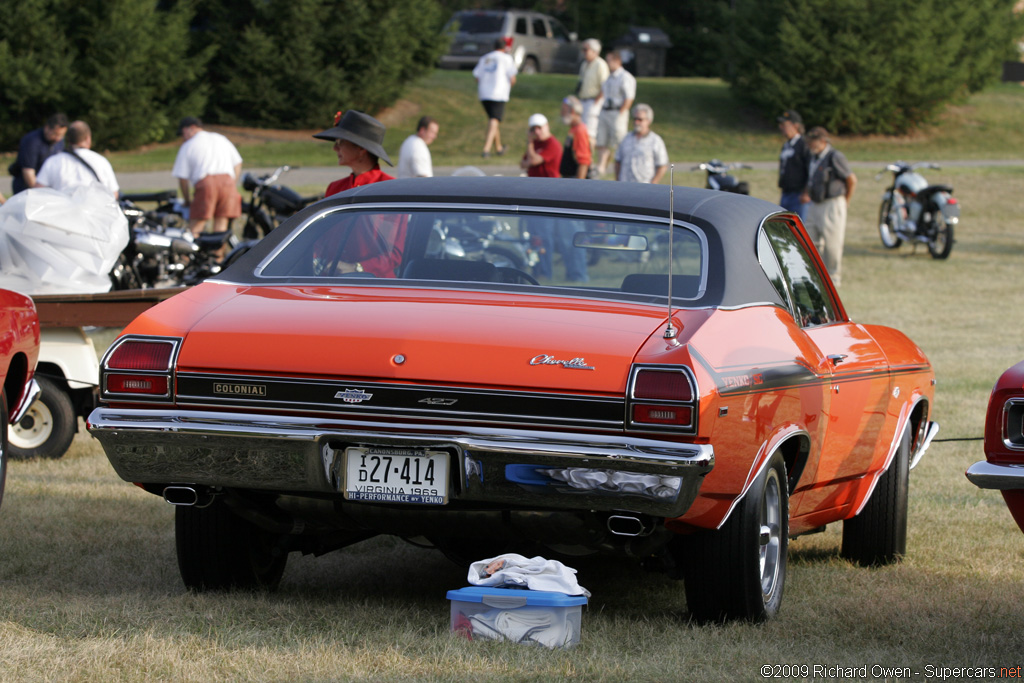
54	243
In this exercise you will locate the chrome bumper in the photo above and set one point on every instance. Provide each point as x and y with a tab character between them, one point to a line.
31	395
987	475
304	456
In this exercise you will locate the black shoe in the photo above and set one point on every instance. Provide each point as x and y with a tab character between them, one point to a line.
502	150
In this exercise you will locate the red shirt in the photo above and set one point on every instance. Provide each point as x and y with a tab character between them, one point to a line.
374	175
376	243
551	151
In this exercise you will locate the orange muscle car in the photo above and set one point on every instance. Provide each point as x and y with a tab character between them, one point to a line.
386	363
19	350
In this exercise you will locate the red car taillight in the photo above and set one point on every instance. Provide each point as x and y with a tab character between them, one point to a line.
662	397
139	368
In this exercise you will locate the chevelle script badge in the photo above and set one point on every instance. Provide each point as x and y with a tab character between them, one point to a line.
353	396
574	364
239	389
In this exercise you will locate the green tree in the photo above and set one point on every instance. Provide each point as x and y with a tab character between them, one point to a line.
293	63
868	66
121	65
36	63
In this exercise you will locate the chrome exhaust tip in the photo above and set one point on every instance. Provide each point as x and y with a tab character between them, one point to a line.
181	495
627	525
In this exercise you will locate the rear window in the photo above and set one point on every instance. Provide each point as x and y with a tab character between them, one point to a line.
471	22
594	256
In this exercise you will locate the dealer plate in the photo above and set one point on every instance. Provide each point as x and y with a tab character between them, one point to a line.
396	475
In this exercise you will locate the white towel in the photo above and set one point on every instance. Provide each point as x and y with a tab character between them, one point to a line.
535	573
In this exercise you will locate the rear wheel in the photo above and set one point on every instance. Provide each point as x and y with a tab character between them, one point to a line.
887	221
218	550
738	571
47	428
941	234
878	535
530	66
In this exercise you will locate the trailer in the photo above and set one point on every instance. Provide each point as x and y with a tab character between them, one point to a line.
68	369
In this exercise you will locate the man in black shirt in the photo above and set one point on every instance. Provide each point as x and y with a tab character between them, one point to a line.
793	162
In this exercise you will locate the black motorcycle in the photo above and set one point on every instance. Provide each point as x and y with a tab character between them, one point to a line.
161	251
270	203
719	178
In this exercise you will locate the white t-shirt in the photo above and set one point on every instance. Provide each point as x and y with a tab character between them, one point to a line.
414	159
204	154
494	73
63	172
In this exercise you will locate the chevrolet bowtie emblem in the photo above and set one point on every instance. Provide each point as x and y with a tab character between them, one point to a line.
353	396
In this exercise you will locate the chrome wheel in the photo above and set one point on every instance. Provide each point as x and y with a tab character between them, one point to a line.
770	537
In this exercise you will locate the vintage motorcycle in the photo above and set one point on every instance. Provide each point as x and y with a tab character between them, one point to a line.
269	204
161	251
915	211
719	178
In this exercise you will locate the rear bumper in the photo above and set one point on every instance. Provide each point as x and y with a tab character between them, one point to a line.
514	469
987	475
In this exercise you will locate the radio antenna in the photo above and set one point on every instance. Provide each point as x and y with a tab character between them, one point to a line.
670	330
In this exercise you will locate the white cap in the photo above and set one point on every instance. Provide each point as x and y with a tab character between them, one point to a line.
537	120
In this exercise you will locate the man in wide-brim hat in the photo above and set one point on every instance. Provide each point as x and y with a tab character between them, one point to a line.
358	141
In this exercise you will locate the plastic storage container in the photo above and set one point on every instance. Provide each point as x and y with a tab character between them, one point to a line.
522	616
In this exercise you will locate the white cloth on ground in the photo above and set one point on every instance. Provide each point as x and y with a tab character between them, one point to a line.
536	573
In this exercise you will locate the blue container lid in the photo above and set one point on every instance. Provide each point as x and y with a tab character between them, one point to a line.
515	597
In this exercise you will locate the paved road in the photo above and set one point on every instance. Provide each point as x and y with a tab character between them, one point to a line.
322	175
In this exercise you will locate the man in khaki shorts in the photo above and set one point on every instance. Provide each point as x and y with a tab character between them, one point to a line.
211	164
617	95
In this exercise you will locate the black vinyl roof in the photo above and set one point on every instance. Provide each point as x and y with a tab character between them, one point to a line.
730	221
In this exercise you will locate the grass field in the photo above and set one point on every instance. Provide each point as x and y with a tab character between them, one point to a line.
698	117
89	588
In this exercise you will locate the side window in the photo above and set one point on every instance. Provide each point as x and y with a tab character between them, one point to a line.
521	26
770	266
561	35
539	29
810	298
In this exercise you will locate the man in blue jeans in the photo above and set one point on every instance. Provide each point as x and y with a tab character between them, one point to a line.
35	148
793	162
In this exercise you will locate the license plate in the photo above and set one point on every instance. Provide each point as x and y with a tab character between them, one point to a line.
469	47
396	475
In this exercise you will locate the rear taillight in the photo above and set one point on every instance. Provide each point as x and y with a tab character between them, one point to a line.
662	397
138	367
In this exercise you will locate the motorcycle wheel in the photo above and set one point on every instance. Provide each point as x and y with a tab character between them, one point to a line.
941	237
887	224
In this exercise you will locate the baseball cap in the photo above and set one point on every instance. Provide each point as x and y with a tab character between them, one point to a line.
790	115
537	120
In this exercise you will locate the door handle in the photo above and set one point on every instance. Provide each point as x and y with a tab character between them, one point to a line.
837	358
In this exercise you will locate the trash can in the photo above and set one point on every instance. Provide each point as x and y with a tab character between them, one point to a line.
643	50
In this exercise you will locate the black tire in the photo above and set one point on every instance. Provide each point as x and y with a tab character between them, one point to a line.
257	225
218	550
47	429
878	535
941	236
886	226
739	570
3	445
530	66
